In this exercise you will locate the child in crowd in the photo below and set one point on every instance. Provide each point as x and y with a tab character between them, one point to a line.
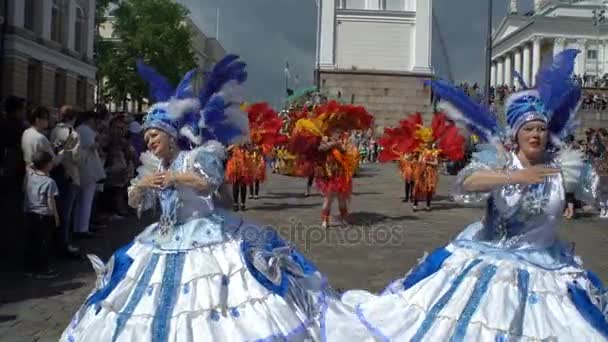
41	213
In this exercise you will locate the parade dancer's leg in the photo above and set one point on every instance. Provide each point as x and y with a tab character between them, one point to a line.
429	197
236	187
326	211
256	189
251	191
309	185
243	196
406	198
342	204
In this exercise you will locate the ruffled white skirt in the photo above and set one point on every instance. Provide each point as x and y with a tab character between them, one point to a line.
463	295
202	294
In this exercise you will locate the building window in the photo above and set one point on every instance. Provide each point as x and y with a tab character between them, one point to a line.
81	92
393	5
57	17
60	85
79	31
29	14
350	4
592	54
34	80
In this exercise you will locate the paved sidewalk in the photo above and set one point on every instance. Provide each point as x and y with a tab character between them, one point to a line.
385	241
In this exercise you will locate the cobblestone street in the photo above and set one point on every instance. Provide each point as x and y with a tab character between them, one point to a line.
385	239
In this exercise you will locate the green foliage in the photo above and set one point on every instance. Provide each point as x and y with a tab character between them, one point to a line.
154	30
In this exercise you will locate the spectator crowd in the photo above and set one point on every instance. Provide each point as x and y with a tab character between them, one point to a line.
64	176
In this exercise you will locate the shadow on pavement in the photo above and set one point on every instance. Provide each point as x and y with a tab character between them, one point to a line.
366	218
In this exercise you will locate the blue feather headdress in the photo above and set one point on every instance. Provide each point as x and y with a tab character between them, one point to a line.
213	114
555	101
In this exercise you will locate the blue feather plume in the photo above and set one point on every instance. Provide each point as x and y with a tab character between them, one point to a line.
554	80
461	108
184	89
560	94
160	88
224	71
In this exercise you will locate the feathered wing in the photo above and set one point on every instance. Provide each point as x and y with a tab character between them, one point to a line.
463	110
264	126
561	95
399	140
221	116
160	88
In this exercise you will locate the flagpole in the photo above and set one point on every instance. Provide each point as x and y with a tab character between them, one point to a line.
217	24
318	57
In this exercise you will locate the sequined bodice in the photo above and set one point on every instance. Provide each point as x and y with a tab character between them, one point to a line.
524	216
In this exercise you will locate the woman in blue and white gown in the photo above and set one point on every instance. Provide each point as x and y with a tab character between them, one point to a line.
200	273
506	277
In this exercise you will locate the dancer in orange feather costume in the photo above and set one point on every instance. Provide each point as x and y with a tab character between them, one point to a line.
264	127
238	173
419	150
319	139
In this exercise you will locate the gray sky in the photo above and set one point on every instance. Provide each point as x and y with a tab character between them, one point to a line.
266	33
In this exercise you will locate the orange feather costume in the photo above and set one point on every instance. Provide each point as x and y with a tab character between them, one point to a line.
419	149
333	168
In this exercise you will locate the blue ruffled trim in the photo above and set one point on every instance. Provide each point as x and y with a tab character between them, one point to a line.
596	281
430	265
122	263
590	312
369	326
268	240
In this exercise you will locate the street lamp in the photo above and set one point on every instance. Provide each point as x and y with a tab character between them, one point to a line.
598	19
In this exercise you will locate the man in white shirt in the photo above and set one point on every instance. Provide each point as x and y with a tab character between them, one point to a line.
33	138
67	175
91	171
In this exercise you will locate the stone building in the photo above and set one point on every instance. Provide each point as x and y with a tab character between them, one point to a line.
47	55
376	53
522	42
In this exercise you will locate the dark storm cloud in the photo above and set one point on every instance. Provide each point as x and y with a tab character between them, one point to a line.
266	33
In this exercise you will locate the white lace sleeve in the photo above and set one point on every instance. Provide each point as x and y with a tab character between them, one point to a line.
579	175
206	161
487	158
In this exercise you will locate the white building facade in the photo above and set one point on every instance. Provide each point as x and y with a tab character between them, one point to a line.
522	43
48	51
376	53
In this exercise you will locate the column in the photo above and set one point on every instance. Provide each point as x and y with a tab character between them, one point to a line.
70	24
581	58
424	32
326	53
535	58
493	74
16	11
558	45
47	89
90	36
517	61
46	19
508	70
526	64
500	73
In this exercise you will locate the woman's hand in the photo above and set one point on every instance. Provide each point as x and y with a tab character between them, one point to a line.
169	179
533	175
153	181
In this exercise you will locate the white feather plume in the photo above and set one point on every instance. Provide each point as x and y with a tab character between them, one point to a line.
178	107
150	164
572	164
